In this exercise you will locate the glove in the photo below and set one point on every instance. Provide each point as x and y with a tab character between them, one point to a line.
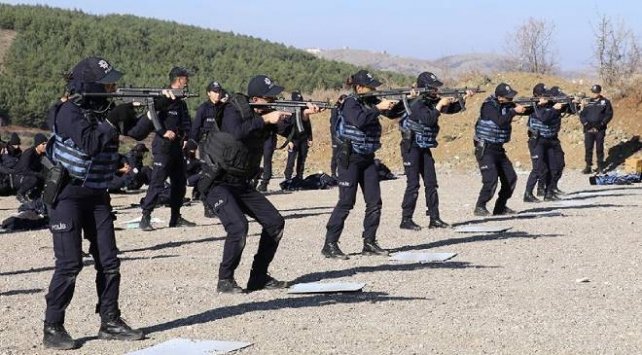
122	113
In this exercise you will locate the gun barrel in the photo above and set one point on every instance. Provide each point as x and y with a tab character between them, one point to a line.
140	92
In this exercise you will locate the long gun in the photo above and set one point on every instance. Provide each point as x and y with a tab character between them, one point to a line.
294	107
145	96
533	101
403	93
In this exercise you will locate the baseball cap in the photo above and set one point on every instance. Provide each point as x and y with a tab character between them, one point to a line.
95	70
428	79
214	86
263	86
504	90
596	89
363	77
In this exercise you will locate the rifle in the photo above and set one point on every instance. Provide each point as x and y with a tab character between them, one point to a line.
403	93
144	95
533	101
294	107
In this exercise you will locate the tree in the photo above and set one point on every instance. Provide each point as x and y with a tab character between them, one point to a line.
530	49
616	51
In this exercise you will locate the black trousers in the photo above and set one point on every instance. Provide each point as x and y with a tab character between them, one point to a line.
361	171
80	209
168	162
30	185
594	139
298	155
547	158
231	204
558	163
268	152
494	164
418	162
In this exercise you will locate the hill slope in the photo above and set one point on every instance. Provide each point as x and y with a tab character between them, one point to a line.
50	41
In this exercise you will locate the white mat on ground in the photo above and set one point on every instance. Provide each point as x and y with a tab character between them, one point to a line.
192	347
326	287
137	220
422	257
569	203
541	214
481	229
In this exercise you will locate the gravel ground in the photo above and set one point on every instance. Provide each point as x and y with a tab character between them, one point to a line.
510	293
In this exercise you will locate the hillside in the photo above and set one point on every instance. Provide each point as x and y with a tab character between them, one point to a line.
445	66
49	41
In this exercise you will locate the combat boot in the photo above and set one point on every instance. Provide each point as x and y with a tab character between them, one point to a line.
408	223
56	337
331	250
529	197
264	282
481	211
371	247
228	286
503	211
263	185
587	169
146	222
541	191
437	223
551	196
112	327
176	220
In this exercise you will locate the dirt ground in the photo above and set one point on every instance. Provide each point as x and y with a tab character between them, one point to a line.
511	293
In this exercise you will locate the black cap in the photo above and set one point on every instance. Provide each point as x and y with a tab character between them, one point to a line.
296	96
363	77
140	147
263	86
214	86
596	89
504	90
428	80
15	139
178	71
540	90
95	70
38	139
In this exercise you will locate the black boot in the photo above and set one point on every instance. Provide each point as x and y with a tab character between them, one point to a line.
587	169
529	197
481	211
331	250
408	223
263	186
146	222
500	211
176	220
259	281
558	192
56	337
228	286
371	247
436	222
551	196
112	327
541	191
208	211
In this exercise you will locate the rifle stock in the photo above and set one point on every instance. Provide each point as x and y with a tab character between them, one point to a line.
294	107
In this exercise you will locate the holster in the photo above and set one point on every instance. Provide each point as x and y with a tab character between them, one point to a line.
209	173
345	151
480	149
56	179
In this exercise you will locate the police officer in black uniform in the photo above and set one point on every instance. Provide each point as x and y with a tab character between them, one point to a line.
206	113
359	130
236	150
544	124
269	145
141	174
595	115
298	147
334	117
492	130
86	145
167	149
29	177
10	155
419	131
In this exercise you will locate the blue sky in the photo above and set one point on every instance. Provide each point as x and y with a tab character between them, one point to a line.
421	29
